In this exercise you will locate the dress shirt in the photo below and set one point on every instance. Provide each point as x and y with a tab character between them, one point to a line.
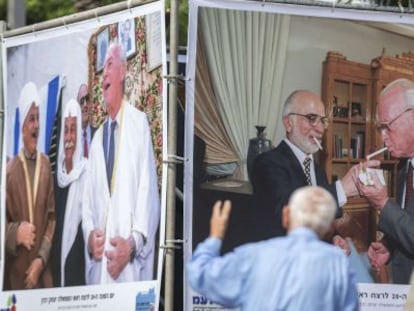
300	155
295	272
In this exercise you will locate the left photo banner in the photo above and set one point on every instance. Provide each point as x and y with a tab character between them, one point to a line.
83	184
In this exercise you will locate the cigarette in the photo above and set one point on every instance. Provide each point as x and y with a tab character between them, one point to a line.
376	152
317	142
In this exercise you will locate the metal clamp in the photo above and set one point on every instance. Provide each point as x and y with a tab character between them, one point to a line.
97	16
176	79
164	246
175	159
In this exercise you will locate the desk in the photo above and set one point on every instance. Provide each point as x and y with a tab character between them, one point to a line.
229	185
243	219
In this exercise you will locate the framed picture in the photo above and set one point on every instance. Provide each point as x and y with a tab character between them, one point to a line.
126	35
153	40
102	42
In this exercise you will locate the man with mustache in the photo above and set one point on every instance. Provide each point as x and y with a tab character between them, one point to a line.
280	171
87	129
30	204
121	207
69	252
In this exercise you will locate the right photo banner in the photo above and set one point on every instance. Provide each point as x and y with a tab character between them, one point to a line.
244	61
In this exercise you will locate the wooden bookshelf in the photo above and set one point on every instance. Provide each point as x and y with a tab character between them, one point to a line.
349	91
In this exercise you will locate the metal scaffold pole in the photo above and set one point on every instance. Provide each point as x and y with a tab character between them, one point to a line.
172	149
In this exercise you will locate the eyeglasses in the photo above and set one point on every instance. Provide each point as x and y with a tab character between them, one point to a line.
84	99
386	126
313	118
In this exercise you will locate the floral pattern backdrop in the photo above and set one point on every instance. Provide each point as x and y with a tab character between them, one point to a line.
143	89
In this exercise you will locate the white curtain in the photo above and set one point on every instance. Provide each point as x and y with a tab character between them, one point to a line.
246	54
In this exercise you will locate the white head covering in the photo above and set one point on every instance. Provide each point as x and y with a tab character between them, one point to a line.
28	95
71	109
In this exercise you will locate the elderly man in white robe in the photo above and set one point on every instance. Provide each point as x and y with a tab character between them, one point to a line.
68	244
121	207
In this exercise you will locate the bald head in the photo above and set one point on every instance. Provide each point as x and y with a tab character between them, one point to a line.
300	98
311	207
395	118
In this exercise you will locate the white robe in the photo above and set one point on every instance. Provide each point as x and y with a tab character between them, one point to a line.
72	218
134	204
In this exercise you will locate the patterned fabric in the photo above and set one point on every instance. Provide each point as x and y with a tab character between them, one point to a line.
306	164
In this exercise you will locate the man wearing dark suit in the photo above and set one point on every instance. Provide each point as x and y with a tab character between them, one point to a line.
395	122
280	171
87	129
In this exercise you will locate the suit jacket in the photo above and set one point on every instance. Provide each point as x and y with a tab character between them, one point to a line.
275	175
398	227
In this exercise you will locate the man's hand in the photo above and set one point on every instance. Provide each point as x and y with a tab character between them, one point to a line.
378	255
219	219
118	257
26	234
348	181
96	243
342	243
33	273
377	193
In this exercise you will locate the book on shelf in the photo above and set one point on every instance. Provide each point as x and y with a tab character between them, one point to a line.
358	145
337	146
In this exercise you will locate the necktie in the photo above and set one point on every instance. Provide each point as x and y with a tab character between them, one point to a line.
306	164
111	152
408	184
85	144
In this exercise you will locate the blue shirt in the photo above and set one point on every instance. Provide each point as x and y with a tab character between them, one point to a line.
295	272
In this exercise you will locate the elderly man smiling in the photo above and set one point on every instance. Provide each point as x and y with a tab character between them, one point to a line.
30	204
69	252
121	207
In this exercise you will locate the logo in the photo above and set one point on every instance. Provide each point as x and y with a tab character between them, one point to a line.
145	301
11	304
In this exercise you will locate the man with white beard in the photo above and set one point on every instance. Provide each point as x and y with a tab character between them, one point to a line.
69	251
291	165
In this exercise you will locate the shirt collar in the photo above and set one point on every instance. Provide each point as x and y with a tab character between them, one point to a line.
300	155
305	232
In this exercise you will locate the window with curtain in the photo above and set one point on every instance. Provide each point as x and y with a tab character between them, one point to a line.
240	64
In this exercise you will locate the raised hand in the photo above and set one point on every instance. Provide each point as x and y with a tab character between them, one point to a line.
219	219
